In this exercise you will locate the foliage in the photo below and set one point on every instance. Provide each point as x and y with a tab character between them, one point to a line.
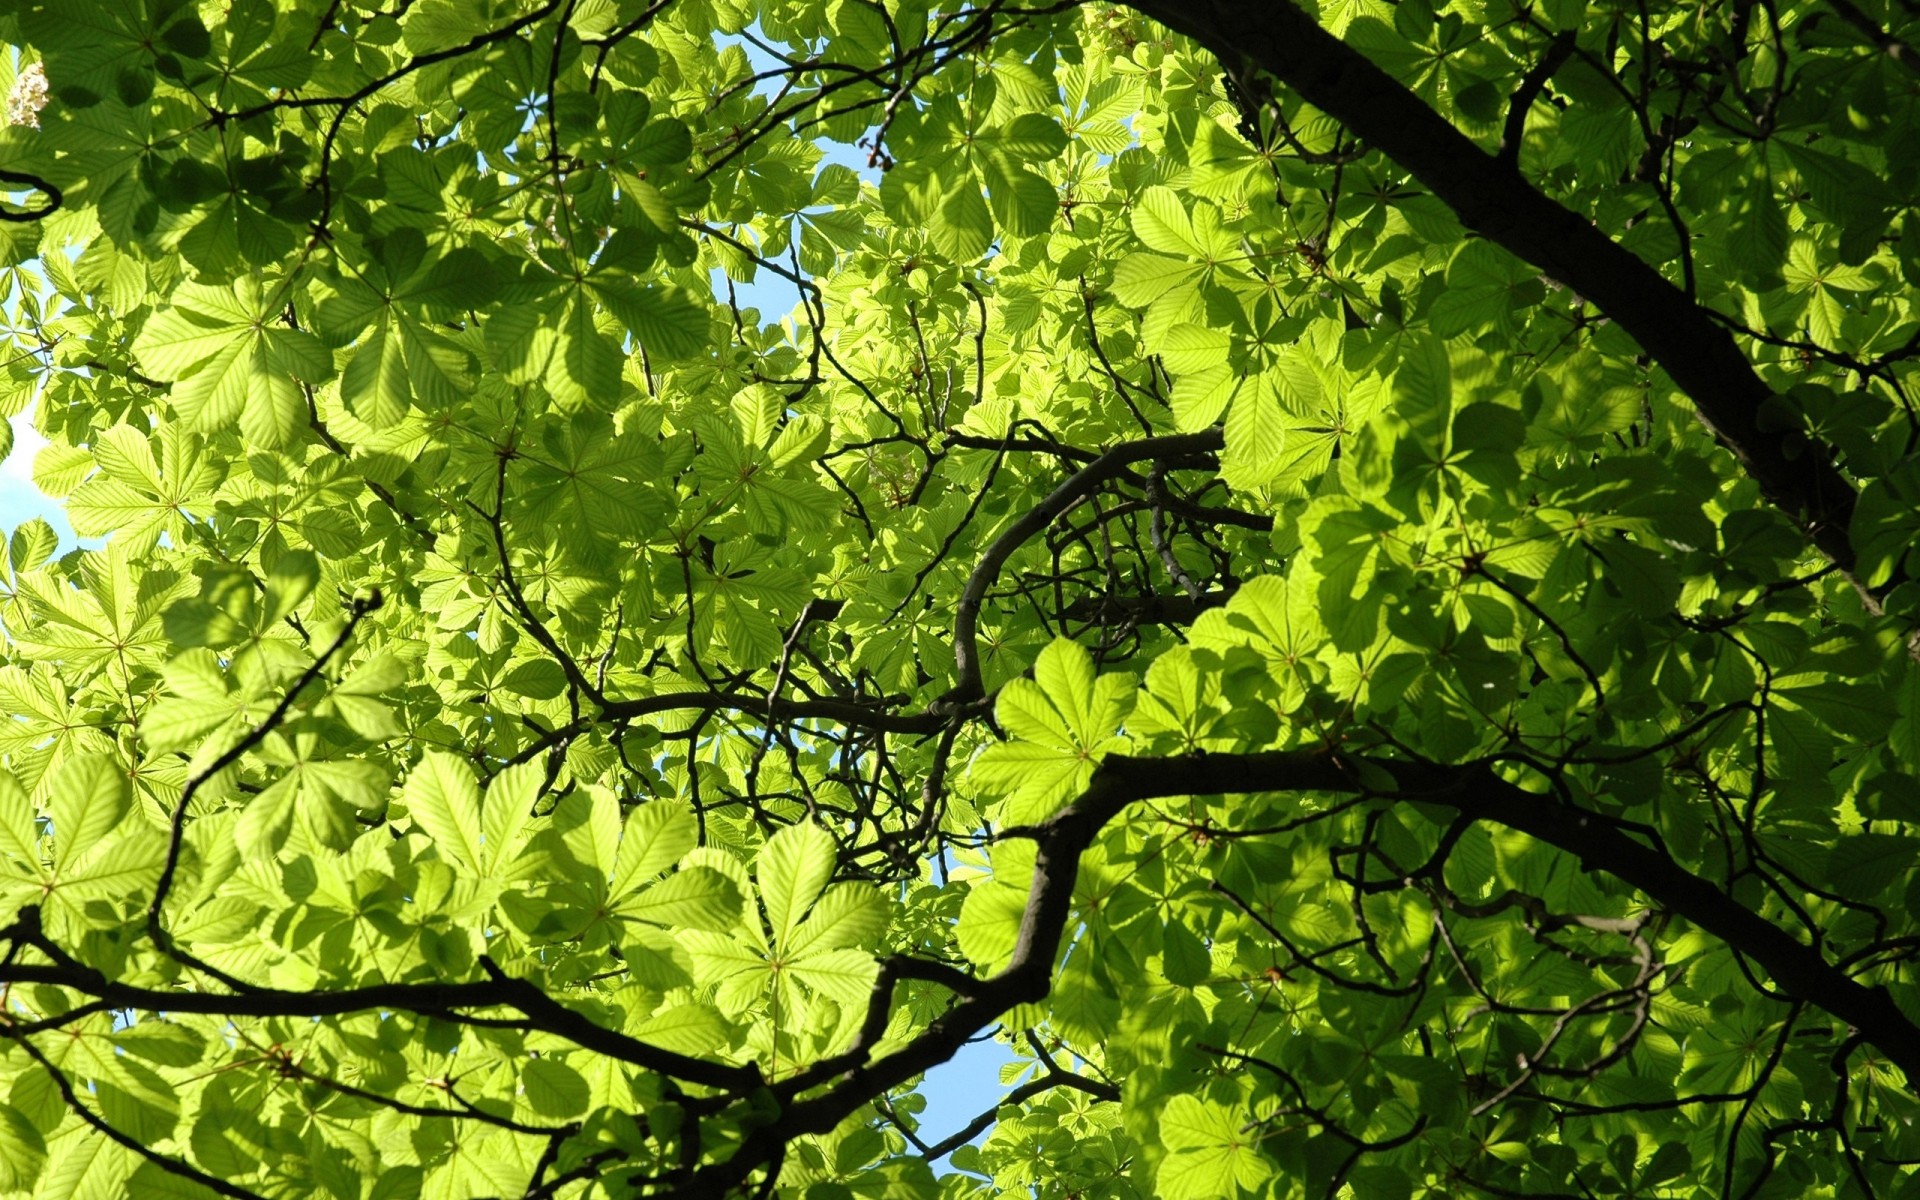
1341	578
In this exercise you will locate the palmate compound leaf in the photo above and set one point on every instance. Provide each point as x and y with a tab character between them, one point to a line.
1161	222
95	850
1193	701
1060	722
137	493
232	362
110	620
1212	1152
325	794
591	876
818	936
656	837
443	796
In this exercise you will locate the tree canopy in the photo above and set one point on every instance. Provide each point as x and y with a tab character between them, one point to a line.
1341	578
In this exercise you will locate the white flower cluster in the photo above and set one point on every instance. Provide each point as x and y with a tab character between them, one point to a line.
28	97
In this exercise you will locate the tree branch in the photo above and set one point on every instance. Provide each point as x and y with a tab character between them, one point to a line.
1079	485
1531	85
1474	790
1492	197
1889	45
177	827
50	202
1020	1095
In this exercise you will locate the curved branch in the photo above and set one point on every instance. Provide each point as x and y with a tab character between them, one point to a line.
1079	485
1020	1095
1895	49
50	203
1474	791
177	826
177	1167
1531	85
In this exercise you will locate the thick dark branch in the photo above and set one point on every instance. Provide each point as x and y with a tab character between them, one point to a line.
1150	609
1475	791
50	197
1494	199
845	712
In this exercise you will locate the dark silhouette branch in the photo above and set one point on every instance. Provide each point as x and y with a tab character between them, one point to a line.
357	611
1077	487
1895	49
49	204
1020	1095
1491	197
1150	609
99	1124
1474	790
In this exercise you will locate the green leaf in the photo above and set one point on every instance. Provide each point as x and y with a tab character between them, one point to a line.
375	383
695	898
848	916
990	924
554	1089
1188	347
443	798
267	820
19	831
791	870
88	799
1256	436
1062	721
843	975
1141	279
547	452
23	1151
1209	1156
1865	865
669	323
1757	233
31	545
1093	707
656	836
1160	221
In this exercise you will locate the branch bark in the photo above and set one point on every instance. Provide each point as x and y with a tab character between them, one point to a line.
1474	791
1491	197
